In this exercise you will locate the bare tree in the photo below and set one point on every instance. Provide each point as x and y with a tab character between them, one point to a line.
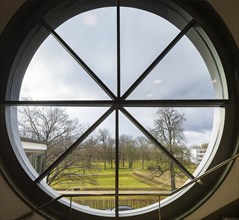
168	129
122	149
106	144
144	146
89	153
48	124
53	126
128	150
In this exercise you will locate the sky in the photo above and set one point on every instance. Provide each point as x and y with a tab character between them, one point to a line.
54	75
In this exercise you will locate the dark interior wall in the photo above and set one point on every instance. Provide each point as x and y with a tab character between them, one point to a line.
225	200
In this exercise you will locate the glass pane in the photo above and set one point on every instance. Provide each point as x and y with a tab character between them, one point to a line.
182	131
89	168
182	74
144	169
46	132
54	75
92	35
144	36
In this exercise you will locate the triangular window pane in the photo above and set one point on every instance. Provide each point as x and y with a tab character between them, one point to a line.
182	74
92	35
54	75
144	36
47	132
144	167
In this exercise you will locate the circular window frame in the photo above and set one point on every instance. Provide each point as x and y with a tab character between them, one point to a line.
22	33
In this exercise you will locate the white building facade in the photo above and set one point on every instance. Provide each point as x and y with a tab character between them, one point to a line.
36	153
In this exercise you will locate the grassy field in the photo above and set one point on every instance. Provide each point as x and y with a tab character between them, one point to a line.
105	180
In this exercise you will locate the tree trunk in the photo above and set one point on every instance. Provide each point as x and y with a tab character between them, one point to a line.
104	164
123	161
143	164
130	164
172	175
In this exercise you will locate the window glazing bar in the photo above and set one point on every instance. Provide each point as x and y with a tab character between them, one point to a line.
155	141
176	103
158	59
74	145
125	103
78	60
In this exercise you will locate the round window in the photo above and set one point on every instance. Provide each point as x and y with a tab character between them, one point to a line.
116	105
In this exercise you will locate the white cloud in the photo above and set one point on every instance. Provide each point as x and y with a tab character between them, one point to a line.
89	19
157	81
197	138
149	95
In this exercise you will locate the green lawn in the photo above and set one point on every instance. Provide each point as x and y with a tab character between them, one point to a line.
105	179
126	180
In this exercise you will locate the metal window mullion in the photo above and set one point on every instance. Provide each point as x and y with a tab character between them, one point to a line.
158	59
117	110
74	145
125	103
177	103
118	48
117	163
78	59
155	141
